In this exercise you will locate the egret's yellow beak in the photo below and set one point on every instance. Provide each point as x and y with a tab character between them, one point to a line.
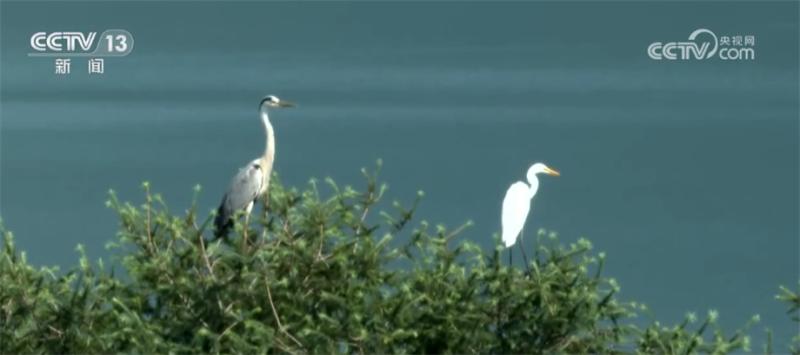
551	172
283	103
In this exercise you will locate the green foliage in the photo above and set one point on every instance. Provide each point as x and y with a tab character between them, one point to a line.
320	271
792	298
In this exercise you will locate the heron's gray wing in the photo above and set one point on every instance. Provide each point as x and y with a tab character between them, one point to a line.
244	189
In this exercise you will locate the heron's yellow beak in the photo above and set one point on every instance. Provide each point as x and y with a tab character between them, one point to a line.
551	172
283	103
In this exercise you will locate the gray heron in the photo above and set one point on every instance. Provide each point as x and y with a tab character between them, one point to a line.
252	181
517	204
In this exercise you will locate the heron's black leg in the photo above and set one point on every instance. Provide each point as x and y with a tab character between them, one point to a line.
248	209
246	227
522	248
510	257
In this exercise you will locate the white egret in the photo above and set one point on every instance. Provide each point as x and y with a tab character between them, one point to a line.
252	181
517	204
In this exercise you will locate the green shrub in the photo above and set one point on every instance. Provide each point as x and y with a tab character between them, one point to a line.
323	271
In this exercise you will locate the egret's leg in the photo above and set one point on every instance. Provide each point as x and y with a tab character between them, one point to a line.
522	248
510	256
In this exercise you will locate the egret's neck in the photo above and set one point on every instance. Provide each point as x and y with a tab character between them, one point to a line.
269	152
534	186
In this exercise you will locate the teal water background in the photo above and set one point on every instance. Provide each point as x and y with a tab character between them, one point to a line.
684	173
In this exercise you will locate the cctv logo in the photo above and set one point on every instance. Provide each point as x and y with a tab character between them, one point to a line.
63	44
704	44
683	50
56	41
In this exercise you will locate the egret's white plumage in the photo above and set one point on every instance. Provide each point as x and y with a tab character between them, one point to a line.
516	206
517	203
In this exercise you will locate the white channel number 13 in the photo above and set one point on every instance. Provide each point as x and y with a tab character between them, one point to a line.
118	43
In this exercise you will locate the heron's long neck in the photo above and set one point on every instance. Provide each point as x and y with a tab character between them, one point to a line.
269	152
